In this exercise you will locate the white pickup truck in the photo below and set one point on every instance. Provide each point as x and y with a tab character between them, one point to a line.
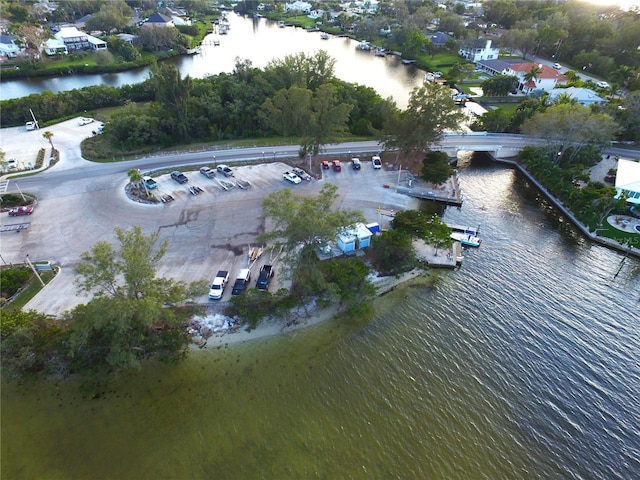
217	285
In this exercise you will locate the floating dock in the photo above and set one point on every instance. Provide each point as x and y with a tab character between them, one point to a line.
461	228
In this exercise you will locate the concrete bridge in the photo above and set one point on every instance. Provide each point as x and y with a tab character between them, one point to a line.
498	145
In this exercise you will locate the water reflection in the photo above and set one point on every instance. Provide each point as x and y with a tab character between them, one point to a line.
258	40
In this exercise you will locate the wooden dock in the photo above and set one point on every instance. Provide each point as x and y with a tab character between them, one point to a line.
464	229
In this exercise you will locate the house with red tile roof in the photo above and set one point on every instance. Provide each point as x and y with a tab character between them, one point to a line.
546	78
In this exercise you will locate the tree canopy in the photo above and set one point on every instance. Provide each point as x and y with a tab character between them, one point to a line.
430	112
567	128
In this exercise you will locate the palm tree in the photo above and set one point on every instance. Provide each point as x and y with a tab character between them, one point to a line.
135	177
566	98
49	135
532	74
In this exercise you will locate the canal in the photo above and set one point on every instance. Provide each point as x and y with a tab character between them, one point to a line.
260	41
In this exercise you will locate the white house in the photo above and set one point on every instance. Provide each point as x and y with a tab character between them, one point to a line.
480	50
298	6
546	79
583	96
54	46
8	47
355	237
628	181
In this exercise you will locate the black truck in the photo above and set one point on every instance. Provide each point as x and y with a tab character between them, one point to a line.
264	278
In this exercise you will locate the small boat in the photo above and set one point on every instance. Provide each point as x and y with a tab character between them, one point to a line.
429	77
216	43
407	61
324	36
281	24
364	45
466	239
380	52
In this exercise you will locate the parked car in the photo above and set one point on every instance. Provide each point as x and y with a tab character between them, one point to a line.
85	121
241	282
179	177
337	167
602	85
301	173
266	274
557	66
225	170
376	162
17	211
355	163
149	182
291	177
325	165
207	172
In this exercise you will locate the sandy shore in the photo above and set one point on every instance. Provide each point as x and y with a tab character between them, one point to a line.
274	327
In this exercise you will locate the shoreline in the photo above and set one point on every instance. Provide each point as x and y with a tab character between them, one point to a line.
273	327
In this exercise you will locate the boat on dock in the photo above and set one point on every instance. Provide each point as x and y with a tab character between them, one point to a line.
464	229
466	239
364	45
324	36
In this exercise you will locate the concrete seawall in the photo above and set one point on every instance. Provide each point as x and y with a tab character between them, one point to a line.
607	242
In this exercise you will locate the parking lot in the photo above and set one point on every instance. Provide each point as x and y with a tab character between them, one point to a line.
206	232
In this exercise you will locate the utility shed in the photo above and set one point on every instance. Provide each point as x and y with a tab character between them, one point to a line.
355	237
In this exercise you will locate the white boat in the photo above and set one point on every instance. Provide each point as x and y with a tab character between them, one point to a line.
364	45
281	23
324	36
429	77
380	52
466	239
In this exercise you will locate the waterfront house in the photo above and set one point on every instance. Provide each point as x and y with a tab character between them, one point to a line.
353	238
298	6
158	20
53	46
628	181
8	47
546	79
481	49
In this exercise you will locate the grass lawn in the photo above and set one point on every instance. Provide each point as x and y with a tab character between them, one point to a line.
28	293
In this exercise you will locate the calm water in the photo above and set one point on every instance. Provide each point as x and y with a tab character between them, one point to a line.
260	41
525	363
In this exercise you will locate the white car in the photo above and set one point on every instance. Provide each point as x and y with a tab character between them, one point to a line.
376	162
602	85
225	170
85	121
291	177
557	66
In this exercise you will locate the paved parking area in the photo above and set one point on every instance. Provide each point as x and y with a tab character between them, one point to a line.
206	232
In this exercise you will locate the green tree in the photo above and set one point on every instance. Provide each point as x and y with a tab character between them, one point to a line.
436	167
301	70
392	252
135	177
302	220
348	278
522	39
113	15
567	128
431	111
103	57
126	321
173	93
288	112
532	74
329	118
499	85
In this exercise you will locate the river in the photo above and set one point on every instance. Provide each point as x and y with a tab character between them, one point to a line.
258	40
523	364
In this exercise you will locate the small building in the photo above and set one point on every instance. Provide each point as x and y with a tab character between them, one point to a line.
480	50
353	238
298	6
158	20
96	44
628	181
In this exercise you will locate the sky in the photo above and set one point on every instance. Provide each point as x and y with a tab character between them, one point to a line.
624	4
